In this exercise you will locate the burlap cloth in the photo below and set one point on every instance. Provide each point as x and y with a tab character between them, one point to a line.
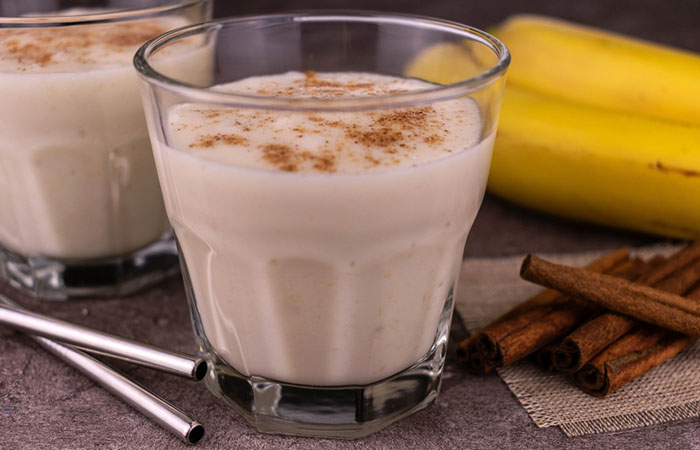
671	391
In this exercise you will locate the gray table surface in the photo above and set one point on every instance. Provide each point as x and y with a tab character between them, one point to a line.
46	405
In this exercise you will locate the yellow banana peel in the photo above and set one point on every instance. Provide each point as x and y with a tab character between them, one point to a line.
448	62
600	68
573	142
600	166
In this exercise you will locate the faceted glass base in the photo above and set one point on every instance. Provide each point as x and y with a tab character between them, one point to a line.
347	412
51	279
341	412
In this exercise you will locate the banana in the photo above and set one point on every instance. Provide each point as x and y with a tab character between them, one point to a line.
581	162
443	63
585	133
600	68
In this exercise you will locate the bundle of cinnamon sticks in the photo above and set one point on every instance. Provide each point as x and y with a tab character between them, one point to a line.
605	324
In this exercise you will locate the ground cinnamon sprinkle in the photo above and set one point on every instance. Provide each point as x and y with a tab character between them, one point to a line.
311	80
209	140
283	140
28	52
212	113
131	34
41	45
406	118
287	160
383	137
324	162
371	159
393	132
433	139
281	156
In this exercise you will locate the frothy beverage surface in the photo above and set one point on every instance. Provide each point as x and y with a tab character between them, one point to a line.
328	142
78	47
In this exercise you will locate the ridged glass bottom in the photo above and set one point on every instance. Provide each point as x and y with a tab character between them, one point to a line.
51	279
347	412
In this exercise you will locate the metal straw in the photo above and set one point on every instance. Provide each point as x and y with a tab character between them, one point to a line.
133	394
119	385
95	341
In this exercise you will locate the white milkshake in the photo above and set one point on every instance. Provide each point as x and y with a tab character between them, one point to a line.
321	246
77	179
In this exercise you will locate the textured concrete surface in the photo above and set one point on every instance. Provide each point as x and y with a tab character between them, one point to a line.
47	405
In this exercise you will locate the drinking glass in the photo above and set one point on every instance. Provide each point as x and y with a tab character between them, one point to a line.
322	299
81	209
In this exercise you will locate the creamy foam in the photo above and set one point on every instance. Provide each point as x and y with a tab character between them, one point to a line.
78	47
340	142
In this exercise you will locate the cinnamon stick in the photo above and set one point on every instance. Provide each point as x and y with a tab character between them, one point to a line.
631	356
469	355
509	322
682	280
642	302
681	259
550	296
488	338
538	333
545	357
593	336
527	330
590	339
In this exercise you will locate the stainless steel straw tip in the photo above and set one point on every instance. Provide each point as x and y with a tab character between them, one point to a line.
200	369
196	433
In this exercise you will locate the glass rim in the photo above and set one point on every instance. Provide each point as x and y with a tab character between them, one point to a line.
95	18
397	100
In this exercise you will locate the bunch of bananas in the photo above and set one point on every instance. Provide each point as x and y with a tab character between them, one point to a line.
594	126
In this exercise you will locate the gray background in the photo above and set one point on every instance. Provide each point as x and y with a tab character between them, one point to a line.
44	404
